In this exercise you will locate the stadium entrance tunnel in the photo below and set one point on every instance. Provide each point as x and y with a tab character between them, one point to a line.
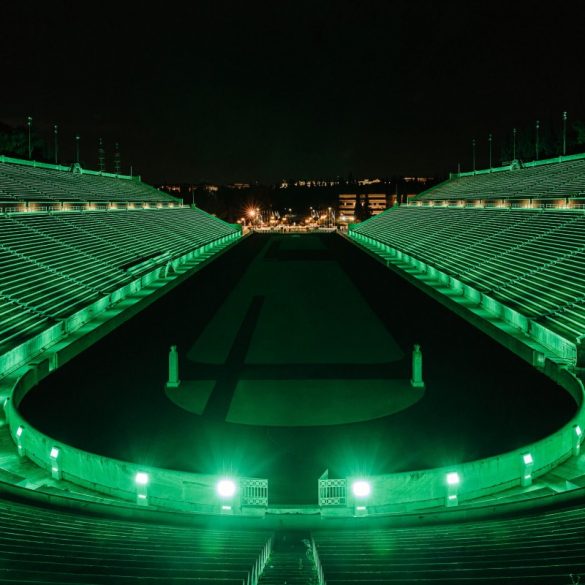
295	356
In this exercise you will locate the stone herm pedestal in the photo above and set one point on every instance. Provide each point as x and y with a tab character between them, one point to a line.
417	380
173	381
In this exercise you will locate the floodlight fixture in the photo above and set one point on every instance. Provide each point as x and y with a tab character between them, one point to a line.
226	488
361	488
141	478
55	469
576	442
453	478
528	464
18	441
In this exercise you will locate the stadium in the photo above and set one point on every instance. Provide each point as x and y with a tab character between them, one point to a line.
186	402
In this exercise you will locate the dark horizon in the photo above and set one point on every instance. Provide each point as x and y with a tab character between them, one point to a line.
222	92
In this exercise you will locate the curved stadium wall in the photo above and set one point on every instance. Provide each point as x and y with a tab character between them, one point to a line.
391	493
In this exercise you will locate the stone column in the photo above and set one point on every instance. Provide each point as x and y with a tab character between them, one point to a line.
417	379
174	381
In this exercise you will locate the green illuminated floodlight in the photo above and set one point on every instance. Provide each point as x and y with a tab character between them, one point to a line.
453	478
528	461
54	453
361	488
19	431
226	488
576	447
141	478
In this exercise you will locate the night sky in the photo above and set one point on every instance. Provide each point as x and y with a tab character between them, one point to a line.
242	91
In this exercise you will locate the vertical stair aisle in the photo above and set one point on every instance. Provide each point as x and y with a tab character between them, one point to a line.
289	562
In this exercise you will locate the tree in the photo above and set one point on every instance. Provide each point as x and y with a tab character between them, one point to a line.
368	207
363	210
579	128
14	142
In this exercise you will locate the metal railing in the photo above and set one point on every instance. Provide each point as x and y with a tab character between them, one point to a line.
254	492
260	562
317	562
332	492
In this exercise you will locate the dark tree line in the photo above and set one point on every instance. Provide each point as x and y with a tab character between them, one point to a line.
14	143
550	142
363	209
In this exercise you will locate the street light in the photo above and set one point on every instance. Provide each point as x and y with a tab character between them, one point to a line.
564	133
56	143
29	124
537	136
77	138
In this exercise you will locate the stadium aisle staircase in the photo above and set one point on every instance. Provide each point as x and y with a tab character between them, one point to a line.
289	562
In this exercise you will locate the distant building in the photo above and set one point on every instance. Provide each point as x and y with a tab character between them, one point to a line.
174	189
420	180
378	202
365	182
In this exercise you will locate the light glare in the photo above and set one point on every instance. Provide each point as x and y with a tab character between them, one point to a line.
226	488
453	478
141	478
361	488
